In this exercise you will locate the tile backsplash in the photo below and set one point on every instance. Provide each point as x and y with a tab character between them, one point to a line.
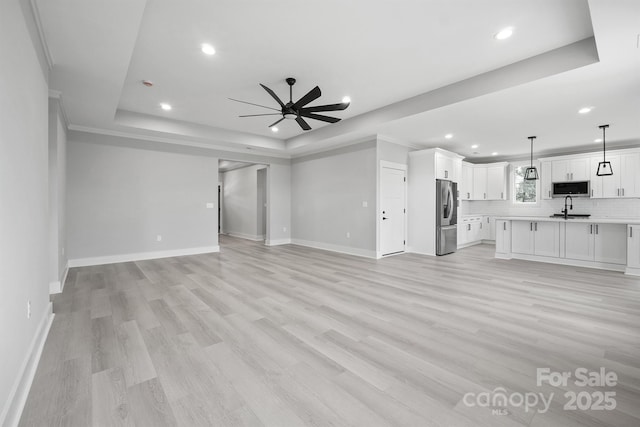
603	208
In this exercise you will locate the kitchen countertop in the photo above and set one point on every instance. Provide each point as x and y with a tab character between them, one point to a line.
601	220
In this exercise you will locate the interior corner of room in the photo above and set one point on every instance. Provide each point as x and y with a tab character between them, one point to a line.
109	159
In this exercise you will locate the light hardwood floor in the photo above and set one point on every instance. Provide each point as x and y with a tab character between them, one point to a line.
291	336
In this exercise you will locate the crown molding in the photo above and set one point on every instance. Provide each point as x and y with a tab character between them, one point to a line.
43	41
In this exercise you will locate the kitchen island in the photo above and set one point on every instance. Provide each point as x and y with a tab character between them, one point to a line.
605	243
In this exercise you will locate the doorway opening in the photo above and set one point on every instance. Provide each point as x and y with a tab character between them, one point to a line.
242	201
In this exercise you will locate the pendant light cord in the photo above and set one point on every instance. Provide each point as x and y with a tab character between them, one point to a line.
604	144
532	138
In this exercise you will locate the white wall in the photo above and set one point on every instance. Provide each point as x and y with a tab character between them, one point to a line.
261	202
278	204
240	194
328	191
120	198
57	197
23	209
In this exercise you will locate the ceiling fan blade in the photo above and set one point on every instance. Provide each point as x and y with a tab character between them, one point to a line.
320	117
273	94
257	105
256	115
273	124
312	95
330	107
304	125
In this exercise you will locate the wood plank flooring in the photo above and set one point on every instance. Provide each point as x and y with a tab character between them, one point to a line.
291	336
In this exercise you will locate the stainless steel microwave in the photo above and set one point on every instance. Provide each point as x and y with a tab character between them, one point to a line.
574	189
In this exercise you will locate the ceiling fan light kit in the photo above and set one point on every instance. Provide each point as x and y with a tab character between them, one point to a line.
531	173
297	110
604	167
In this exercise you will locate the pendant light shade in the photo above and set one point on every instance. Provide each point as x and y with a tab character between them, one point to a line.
604	167
531	173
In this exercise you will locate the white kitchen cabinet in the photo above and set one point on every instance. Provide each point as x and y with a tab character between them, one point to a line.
466	181
462	234
503	236
596	242
546	188
479	183
492	228
570	170
625	181
633	247
444	167
609	243
578	241
536	238
496	183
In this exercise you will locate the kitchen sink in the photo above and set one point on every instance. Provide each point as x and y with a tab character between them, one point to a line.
572	216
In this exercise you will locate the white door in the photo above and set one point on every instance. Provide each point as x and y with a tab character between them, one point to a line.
392	214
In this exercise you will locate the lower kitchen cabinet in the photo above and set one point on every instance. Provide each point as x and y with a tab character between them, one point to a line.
633	247
535	238
503	236
596	242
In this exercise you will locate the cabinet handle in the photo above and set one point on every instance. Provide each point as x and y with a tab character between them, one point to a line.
590	228
618	191
536	226
468	195
504	226
596	228
530	226
480	226
571	176
630	231
469	227
623	192
484	195
446	174
487	220
502	195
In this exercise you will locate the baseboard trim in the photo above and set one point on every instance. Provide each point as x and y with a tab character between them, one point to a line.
276	242
412	251
112	259
254	237
14	406
569	262
57	287
335	248
632	271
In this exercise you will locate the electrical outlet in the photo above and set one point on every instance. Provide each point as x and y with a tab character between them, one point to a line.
29	309
159	238
348	235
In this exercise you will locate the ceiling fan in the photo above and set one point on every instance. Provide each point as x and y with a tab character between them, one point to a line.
296	110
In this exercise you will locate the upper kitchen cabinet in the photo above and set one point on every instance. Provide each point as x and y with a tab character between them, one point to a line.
625	181
546	188
570	170
490	181
465	186
448	166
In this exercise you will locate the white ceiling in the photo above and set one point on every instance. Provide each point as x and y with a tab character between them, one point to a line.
415	70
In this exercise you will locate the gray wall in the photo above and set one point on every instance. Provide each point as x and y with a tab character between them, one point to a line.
328	191
57	196
119	199
240	194
261	203
278	204
24	203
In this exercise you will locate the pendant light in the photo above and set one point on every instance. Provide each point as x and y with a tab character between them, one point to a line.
531	174
604	167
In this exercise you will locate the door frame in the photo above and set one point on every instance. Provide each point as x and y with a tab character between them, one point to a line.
389	165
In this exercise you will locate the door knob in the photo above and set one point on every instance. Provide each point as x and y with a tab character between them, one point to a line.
384	217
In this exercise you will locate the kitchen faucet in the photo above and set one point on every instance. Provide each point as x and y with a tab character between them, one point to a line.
565	211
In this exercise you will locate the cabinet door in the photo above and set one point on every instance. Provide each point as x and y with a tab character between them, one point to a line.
496	183
522	237
444	167
546	236
633	246
479	183
611	243
630	175
596	181
462	233
560	171
503	236
579	241
545	181
610	184
466	187
492	228
579	169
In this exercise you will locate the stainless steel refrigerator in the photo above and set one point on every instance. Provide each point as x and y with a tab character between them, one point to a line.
446	217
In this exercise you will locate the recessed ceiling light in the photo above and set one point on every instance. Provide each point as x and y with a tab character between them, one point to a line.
449	136
474	146
208	49
585	110
505	33
597	140
274	129
495	153
165	106
346	99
